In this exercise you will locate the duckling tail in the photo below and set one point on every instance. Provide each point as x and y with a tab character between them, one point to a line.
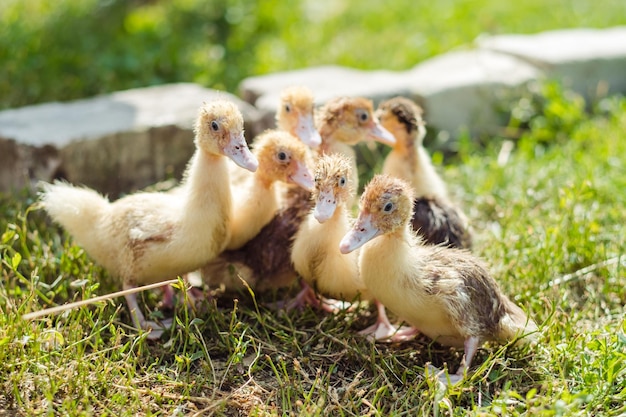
77	209
515	324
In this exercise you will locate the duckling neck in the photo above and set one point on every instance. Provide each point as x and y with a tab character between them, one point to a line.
388	255
208	199
255	208
412	163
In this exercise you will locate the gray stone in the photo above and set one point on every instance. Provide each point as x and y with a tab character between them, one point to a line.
464	90
114	143
326	82
459	90
591	62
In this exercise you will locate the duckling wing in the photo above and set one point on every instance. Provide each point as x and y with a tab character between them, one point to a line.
439	222
471	296
149	217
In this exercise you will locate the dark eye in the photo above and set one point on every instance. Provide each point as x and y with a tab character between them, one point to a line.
342	181
388	207
215	126
363	116
282	156
287	108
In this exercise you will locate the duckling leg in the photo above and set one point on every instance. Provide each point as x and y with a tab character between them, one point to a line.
139	321
470	346
168	297
384	330
305	297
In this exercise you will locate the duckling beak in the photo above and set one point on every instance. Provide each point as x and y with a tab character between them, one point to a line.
305	130
378	133
362	232
302	176
237	150
325	206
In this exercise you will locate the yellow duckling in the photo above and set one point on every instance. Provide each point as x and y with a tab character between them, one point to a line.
315	254
295	114
148	237
345	121
448	294
435	218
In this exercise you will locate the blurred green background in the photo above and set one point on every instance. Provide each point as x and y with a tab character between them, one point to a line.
66	49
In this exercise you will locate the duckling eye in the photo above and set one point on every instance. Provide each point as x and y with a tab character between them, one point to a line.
215	126
287	108
388	207
363	116
282	156
342	181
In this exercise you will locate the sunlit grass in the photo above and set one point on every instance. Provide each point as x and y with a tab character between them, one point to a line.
79	48
550	222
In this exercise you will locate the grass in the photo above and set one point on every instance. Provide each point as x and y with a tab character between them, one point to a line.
78	48
549	219
550	222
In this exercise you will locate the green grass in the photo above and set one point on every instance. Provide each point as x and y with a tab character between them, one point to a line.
550	222
77	48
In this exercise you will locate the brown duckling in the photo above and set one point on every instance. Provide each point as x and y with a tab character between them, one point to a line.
435	217
148	237
446	293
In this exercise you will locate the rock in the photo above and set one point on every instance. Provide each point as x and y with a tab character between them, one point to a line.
591	62
114	143
459	90
463	90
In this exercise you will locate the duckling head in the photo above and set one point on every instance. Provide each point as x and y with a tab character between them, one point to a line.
219	131
333	185
351	120
386	206
282	157
295	115
403	118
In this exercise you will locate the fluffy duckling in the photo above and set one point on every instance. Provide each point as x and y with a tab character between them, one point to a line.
282	158
446	293
315	254
434	216
295	114
346	121
148	237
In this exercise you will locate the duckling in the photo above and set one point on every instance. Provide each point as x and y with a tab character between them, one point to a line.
295	114
264	262
282	158
314	254
346	121
148	237
435	217
446	293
